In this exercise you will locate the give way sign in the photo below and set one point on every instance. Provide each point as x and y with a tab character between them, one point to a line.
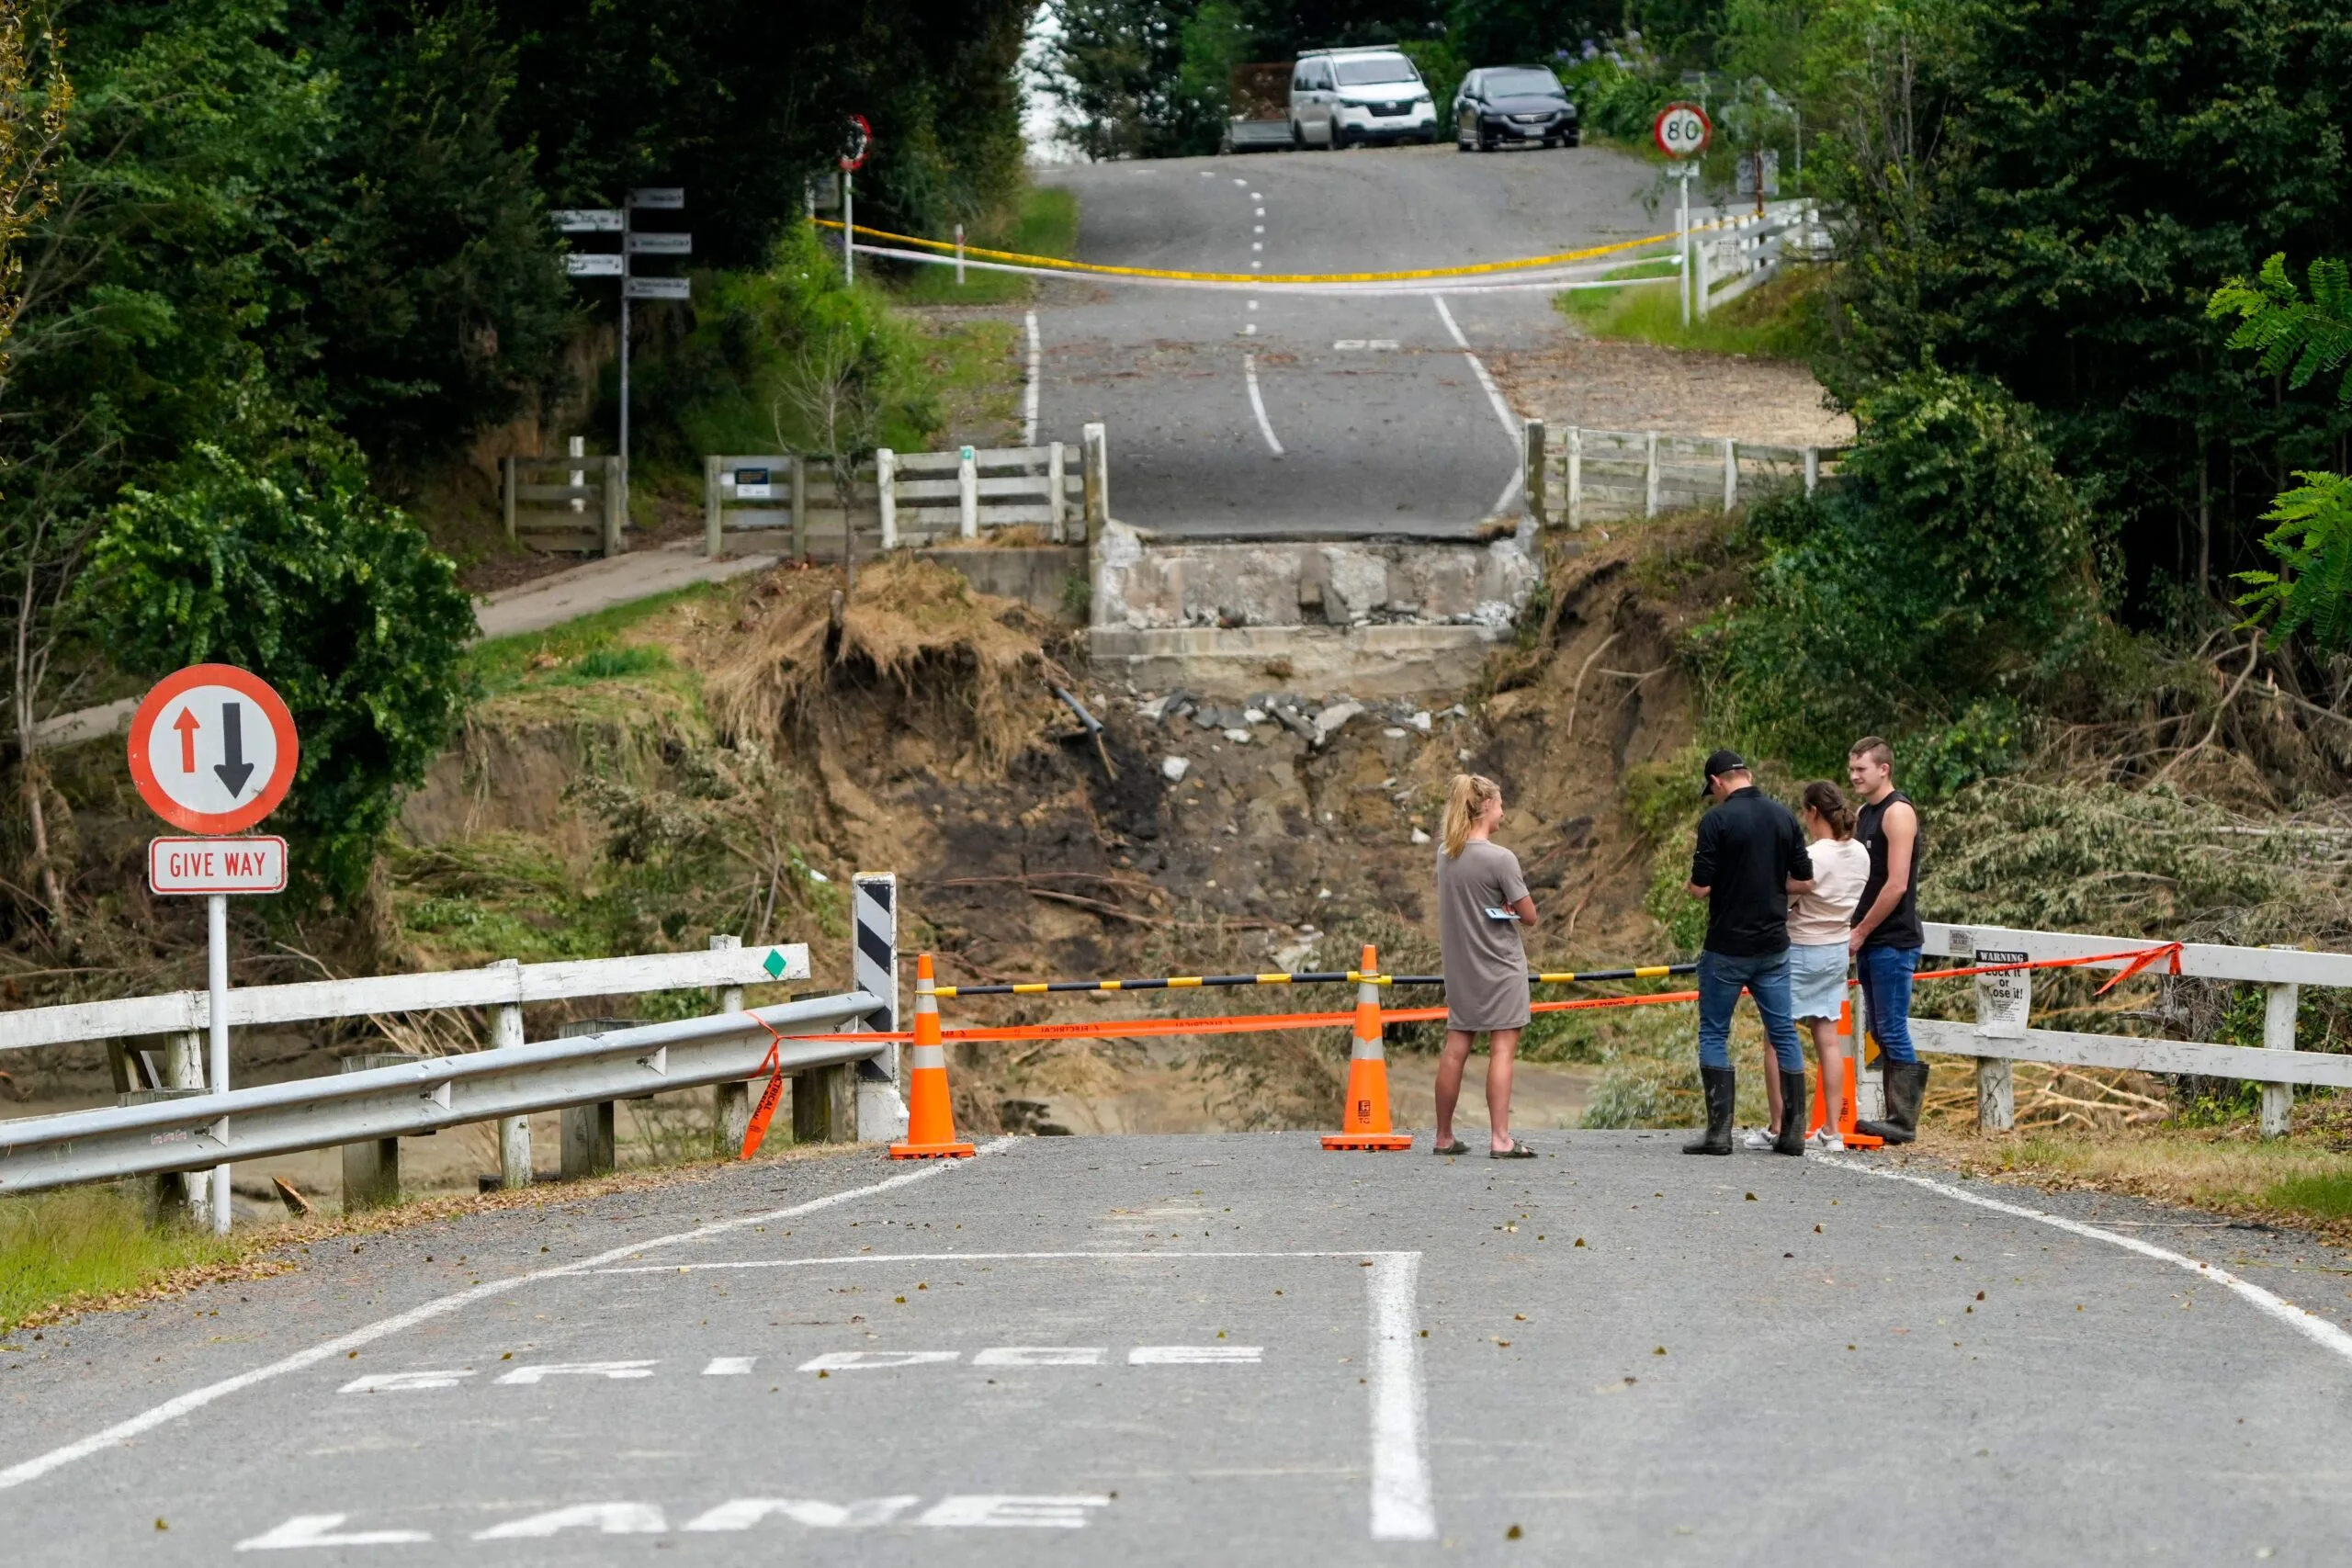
213	748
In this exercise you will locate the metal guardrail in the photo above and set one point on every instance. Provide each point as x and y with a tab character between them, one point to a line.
505	983
424	1094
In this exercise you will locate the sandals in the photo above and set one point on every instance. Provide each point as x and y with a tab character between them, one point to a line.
1456	1147
1517	1151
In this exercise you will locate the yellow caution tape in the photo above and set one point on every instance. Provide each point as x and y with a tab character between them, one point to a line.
1056	264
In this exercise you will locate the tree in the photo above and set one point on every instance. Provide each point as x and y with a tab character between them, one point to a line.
44	550
289	568
2051	190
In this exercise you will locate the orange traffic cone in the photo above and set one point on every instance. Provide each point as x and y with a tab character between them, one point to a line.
930	1113
1364	1121
1847	1108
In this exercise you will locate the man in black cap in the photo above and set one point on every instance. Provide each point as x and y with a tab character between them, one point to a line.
1750	856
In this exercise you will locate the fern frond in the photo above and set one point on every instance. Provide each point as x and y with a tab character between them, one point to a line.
2292	336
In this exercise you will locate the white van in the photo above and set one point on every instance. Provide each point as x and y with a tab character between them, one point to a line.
1344	97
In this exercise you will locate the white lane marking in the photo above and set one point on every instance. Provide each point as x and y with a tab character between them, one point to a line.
1196	1355
1257	228
1258	403
728	1366
319	1530
868	1361
2315	1328
196	1399
1029	391
1401	1509
620	1371
1255	195
401	1383
1257	244
1253	304
605	1519
1258	212
1242	181
742	1513
1040	1356
1346	344
1511	429
994	1509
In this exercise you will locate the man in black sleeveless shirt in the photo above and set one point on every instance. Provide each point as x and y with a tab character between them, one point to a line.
1887	934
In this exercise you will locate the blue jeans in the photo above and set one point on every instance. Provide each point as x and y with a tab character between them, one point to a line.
1765	977
1886	997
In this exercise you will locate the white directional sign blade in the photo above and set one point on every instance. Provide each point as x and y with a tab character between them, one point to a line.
658	289
588	219
212	749
646	244
592	265
256	864
659	199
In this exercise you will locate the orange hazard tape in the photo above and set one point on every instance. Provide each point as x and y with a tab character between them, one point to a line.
1254	1023
756	1134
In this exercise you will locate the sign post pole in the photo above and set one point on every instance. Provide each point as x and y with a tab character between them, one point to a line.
1682	132
861	139
629	207
212	751
217	1010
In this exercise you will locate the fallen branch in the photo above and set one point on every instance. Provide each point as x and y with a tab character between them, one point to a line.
1576	691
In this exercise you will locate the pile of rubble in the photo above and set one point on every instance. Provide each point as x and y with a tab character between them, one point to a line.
1313	720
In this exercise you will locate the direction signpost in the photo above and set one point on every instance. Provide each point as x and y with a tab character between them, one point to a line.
213	751
621	220
1682	132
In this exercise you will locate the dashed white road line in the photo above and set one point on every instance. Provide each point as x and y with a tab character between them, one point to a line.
1494	396
196	1399
1029	391
1258	403
2319	1330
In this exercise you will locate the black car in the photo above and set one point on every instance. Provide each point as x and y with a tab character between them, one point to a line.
1512	103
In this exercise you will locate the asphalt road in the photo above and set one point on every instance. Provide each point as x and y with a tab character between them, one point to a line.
1234	1350
1367	414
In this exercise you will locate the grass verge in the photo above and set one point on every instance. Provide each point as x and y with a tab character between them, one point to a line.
589	648
88	1249
1044	223
1782	320
2304	1180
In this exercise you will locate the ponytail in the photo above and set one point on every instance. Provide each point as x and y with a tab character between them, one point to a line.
1464	799
1829	802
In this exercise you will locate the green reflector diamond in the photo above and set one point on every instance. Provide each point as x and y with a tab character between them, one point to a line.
773	965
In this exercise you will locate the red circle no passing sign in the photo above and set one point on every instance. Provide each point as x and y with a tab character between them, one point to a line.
214	749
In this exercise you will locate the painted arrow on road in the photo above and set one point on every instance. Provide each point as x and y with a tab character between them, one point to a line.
232	768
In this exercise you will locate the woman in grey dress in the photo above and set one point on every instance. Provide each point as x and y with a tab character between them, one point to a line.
1482	907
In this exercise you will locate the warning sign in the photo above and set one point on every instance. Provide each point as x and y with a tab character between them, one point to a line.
2003	1000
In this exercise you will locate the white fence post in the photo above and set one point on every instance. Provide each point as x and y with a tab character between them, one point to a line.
615	505
886	496
1535	481
967	494
1812	470
1097	457
1731	473
1576	477
2278	1004
514	1132
730	1102
2004	1004
1057	504
800	484
1649	493
711	522
1700	280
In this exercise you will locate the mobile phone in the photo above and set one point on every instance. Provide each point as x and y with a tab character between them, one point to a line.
1495	914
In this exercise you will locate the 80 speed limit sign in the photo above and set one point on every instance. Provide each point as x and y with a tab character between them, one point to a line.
1682	130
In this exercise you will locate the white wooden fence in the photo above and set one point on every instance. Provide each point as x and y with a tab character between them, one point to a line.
1587	475
904	498
1747	251
565	503
2001	1035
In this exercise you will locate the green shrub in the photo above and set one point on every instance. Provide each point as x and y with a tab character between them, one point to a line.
1946	574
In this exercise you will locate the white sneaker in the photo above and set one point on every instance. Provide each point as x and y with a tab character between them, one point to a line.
1760	1139
1824	1140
